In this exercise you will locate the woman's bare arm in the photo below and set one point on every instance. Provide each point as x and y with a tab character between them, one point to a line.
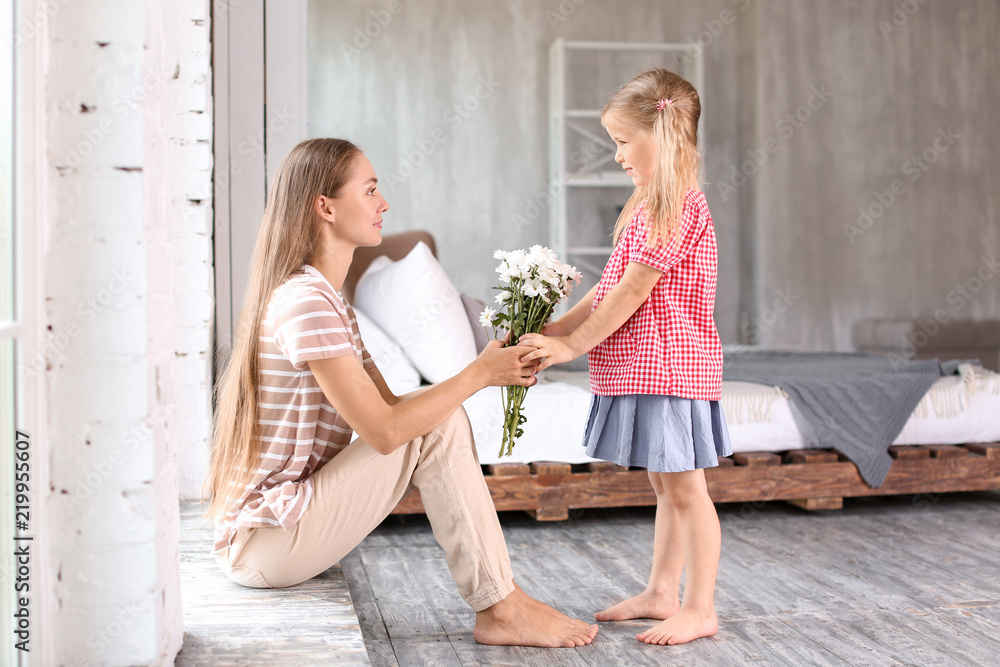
384	426
383	387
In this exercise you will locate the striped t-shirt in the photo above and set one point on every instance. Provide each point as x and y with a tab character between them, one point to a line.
306	319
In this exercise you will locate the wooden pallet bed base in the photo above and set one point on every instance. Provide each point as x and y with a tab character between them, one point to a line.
812	479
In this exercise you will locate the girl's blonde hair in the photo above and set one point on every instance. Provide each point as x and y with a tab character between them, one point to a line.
287	239
675	131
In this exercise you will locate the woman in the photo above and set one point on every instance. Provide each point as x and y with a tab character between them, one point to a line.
290	493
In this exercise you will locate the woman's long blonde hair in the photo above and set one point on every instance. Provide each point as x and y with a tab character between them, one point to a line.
287	239
675	131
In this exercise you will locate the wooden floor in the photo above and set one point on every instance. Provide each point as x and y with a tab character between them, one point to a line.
906	580
228	625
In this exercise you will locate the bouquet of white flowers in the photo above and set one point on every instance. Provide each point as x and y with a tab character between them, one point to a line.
534	281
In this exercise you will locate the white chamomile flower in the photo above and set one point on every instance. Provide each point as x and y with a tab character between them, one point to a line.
486	317
546	256
534	287
501	297
548	276
518	259
506	273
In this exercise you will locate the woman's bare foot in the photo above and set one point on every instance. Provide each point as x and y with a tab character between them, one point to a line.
519	620
680	628
643	605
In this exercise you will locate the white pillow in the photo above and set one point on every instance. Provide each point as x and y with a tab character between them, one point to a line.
377	265
415	303
396	368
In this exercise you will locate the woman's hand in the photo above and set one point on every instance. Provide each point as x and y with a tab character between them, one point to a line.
548	350
502	366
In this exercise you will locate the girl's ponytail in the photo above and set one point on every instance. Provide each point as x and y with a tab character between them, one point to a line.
669	107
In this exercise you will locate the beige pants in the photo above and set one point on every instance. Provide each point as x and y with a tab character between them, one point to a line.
356	490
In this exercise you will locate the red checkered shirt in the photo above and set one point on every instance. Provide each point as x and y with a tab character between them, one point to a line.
670	344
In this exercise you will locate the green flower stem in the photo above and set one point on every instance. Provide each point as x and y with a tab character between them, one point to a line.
536	312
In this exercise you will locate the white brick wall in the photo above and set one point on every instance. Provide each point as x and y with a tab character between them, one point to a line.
128	302
187	144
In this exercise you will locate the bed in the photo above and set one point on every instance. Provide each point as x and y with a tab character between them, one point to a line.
960	408
949	442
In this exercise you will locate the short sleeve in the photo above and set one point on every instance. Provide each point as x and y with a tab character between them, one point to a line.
366	359
309	325
665	256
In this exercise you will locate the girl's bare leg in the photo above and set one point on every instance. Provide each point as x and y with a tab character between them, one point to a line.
661	599
702	538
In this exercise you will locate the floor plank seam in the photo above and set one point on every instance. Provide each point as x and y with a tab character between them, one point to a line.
356	567
227	624
883	582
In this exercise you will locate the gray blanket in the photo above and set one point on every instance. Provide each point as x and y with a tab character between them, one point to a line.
854	403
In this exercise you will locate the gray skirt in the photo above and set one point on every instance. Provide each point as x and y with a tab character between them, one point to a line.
657	432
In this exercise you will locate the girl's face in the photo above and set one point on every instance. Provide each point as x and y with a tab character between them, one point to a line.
360	206
636	149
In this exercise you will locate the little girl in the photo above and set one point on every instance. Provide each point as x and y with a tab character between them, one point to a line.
654	352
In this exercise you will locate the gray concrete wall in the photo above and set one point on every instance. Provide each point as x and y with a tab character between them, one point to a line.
900	82
790	272
478	172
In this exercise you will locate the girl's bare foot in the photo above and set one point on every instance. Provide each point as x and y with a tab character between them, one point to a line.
680	628
519	620
643	605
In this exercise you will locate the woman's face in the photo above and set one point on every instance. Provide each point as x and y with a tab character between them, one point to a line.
636	150
360	206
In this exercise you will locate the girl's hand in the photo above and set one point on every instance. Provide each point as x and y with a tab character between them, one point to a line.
548	350
503	366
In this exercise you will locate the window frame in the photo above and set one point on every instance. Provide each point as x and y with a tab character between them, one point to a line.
29	210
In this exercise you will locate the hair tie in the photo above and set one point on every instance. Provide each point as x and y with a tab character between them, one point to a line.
662	104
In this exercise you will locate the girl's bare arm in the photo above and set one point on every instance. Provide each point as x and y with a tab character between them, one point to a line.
614	310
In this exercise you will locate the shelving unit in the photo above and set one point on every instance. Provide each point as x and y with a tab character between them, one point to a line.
588	186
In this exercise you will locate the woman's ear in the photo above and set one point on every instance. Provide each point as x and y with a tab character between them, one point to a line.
324	208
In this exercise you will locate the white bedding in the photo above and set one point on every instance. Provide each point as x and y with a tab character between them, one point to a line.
957	409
